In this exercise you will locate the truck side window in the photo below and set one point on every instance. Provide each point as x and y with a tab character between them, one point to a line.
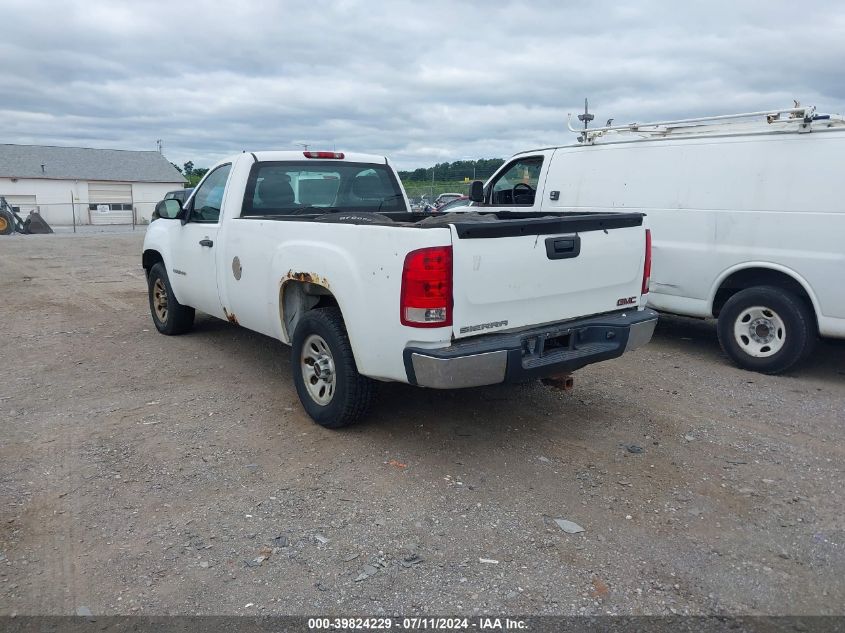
517	185
209	197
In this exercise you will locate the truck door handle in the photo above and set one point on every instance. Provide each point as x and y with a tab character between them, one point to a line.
563	247
206	242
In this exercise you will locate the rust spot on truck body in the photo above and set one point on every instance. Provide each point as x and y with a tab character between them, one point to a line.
230	317
308	278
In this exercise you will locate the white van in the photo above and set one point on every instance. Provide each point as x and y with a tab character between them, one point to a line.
747	213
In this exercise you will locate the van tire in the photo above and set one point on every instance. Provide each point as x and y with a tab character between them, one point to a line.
321	336
785	333
175	318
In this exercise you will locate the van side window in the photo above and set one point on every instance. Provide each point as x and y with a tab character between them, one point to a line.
209	197
517	185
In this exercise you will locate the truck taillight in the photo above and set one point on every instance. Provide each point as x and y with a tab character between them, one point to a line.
647	265
426	297
338	155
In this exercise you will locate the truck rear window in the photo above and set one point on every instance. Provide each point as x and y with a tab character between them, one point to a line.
315	187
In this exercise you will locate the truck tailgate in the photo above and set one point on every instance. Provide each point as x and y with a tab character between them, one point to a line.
504	280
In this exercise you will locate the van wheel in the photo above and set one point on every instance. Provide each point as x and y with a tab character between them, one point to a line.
327	381
766	329
169	316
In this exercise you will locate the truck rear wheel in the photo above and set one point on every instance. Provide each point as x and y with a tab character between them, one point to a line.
766	329
327	381
169	316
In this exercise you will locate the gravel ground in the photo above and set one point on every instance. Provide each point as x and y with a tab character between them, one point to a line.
155	475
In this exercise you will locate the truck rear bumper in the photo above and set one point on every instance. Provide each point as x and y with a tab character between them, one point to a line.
536	352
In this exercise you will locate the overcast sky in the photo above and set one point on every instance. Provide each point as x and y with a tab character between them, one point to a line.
422	82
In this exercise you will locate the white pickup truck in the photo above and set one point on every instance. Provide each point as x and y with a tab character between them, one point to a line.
321	251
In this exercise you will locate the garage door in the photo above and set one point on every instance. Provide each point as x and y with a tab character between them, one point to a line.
22	204
110	203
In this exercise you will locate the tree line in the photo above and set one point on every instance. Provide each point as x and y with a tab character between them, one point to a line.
192	174
458	170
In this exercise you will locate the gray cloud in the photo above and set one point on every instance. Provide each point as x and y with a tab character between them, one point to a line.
420	82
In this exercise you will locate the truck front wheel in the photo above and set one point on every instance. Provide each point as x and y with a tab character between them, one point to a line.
169	316
327	381
766	329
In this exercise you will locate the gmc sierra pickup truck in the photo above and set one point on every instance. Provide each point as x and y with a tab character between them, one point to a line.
321	251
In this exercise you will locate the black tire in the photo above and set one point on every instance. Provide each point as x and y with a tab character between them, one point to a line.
7	223
786	322
176	318
351	393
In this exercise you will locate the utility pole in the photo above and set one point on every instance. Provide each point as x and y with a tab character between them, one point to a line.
160	144
304	146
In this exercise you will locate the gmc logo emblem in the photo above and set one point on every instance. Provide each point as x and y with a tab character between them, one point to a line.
626	301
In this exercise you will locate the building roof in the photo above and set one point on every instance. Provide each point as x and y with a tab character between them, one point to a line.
84	163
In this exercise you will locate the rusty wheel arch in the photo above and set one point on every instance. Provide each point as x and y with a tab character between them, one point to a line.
300	292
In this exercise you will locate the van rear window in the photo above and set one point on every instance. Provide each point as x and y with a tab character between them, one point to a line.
316	187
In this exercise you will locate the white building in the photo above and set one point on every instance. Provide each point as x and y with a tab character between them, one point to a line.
96	186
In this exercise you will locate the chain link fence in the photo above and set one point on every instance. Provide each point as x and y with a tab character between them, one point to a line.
443	181
438	180
76	213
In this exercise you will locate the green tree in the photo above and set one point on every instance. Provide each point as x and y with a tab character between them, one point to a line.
196	175
192	174
480	169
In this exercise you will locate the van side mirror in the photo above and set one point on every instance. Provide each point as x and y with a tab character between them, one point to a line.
476	191
168	209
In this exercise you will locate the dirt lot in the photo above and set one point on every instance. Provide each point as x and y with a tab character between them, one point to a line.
146	474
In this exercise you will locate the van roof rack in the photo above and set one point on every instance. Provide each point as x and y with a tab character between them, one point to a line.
804	116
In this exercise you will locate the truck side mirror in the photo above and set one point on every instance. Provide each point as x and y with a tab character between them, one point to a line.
168	209
476	191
